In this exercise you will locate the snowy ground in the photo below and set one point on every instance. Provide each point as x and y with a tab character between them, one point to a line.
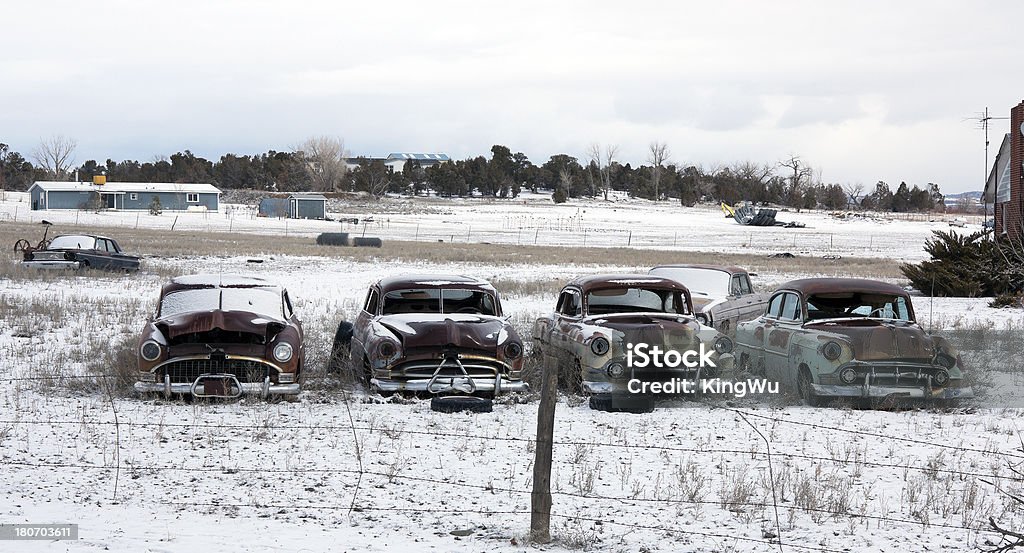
535	220
175	476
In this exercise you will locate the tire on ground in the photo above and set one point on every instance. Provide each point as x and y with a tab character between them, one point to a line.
340	347
456	404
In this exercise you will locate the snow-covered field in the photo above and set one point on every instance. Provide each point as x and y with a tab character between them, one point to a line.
334	472
533	219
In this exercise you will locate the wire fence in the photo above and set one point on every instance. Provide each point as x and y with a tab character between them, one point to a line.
360	477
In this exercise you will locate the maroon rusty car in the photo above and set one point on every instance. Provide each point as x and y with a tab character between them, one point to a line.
221	336
435	334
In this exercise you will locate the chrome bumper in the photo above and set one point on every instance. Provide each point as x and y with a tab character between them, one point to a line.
458	383
867	390
52	265
263	389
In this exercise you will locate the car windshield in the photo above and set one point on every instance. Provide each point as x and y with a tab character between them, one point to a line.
72	242
707	282
635	300
254	300
439	300
844	305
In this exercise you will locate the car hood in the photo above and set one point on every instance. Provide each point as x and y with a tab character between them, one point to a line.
459	330
873	339
702	302
650	328
205	321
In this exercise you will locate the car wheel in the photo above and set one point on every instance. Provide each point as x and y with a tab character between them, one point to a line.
456	404
340	347
621	404
803	385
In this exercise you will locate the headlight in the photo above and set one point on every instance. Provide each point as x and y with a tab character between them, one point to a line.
283	352
599	345
847	375
703	319
941	377
616	370
832	351
150	350
387	349
513	350
723	344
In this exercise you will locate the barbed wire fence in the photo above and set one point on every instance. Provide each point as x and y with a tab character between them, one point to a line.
122	429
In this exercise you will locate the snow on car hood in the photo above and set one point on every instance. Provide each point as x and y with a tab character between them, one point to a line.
460	330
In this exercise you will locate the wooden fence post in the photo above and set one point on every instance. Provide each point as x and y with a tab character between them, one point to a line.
540	499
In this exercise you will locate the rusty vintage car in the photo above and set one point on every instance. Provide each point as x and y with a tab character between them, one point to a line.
221	336
829	338
722	295
598	319
438	334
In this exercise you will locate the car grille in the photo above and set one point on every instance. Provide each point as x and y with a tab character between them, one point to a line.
187	371
475	368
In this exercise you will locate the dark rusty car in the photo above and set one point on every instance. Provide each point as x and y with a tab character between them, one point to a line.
596	320
221	336
79	251
722	295
830	338
434	334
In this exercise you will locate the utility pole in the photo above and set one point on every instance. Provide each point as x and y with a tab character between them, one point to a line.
982	119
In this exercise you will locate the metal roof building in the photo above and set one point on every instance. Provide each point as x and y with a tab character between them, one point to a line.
124	195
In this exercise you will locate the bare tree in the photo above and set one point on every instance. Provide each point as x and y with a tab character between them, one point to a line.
854	191
55	155
659	155
604	158
802	175
324	158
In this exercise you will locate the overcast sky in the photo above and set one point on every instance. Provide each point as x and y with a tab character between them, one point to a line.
865	91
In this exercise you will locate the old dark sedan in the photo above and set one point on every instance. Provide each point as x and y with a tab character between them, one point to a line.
221	336
828	338
80	251
435	334
722	295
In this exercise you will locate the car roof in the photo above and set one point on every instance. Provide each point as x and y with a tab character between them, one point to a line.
403	282
84	234
731	269
812	286
605	281
227	280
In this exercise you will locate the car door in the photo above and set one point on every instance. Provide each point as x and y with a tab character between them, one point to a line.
101	258
749	304
364	319
779	334
569	311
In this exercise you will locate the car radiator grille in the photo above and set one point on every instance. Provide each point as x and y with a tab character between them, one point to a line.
188	371
425	369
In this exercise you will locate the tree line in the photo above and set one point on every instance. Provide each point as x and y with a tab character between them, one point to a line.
321	164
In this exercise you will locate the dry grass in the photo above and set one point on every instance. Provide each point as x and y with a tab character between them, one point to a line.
165	243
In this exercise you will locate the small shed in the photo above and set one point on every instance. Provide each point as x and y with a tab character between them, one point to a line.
295	206
307	206
48	195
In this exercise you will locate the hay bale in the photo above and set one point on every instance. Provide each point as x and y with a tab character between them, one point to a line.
333	239
361	242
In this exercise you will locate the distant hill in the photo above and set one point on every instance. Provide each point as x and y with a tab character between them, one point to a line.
974	195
